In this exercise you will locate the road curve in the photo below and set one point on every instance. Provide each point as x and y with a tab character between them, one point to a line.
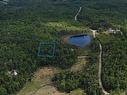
76	16
100	57
100	71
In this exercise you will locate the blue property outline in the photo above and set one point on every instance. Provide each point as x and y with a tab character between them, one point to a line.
46	43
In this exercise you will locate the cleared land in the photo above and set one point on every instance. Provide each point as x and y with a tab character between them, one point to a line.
41	84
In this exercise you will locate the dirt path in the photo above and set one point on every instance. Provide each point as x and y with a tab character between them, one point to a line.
76	16
41	84
100	64
4	2
100	71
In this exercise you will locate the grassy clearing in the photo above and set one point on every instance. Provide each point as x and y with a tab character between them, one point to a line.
41	83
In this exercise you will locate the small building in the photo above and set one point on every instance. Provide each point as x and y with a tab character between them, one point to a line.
114	31
110	30
13	73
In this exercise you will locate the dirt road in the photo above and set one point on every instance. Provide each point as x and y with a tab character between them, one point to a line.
100	71
76	16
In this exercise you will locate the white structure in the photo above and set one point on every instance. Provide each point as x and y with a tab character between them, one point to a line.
72	49
94	32
13	73
114	31
110	30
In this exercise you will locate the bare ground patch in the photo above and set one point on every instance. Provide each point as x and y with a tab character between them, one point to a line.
44	72
41	83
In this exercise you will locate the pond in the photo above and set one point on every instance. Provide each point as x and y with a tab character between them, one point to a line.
79	40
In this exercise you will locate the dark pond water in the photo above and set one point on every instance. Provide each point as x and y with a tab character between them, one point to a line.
80	40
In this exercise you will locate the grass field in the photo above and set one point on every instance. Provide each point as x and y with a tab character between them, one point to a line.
41	84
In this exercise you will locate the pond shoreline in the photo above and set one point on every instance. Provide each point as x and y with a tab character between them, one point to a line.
78	40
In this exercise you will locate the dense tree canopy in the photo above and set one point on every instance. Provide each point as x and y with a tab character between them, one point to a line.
26	23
